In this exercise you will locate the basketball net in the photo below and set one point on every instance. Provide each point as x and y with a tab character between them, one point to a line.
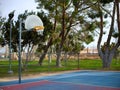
39	29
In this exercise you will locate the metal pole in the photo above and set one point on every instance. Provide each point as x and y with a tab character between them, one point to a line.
78	61
19	59
49	58
10	70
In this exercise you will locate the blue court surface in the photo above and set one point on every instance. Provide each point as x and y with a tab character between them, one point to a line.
78	80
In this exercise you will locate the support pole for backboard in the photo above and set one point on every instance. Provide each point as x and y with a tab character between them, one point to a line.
32	22
19	53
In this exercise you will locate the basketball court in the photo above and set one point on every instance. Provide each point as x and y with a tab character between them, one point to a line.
78	80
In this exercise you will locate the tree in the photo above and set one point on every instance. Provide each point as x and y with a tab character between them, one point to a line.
67	14
47	36
107	50
29	39
2	41
50	6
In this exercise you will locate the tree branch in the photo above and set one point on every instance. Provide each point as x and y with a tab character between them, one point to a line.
88	7
118	23
106	11
111	27
101	31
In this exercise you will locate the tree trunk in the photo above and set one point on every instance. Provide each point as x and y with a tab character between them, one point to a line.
107	58
26	61
49	57
49	43
45	52
28	56
62	36
65	58
58	61
106	52
105	61
42	57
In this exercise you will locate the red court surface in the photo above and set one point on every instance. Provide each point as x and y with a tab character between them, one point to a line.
50	85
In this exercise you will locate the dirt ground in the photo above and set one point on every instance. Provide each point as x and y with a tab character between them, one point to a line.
29	76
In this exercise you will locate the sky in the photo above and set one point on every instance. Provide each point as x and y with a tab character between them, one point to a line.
7	6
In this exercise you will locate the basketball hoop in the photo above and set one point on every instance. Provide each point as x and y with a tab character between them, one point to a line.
35	23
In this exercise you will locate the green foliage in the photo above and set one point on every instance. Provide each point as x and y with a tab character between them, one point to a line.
28	38
40	48
116	35
63	2
106	1
48	4
94	13
106	15
47	24
89	39
2	20
110	47
2	29
72	15
76	3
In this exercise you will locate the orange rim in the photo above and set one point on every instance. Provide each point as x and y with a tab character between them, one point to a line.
39	27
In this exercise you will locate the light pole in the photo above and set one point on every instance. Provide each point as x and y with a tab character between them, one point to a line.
32	22
11	15
10	69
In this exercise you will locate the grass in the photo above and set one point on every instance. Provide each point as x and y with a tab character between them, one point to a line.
34	68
